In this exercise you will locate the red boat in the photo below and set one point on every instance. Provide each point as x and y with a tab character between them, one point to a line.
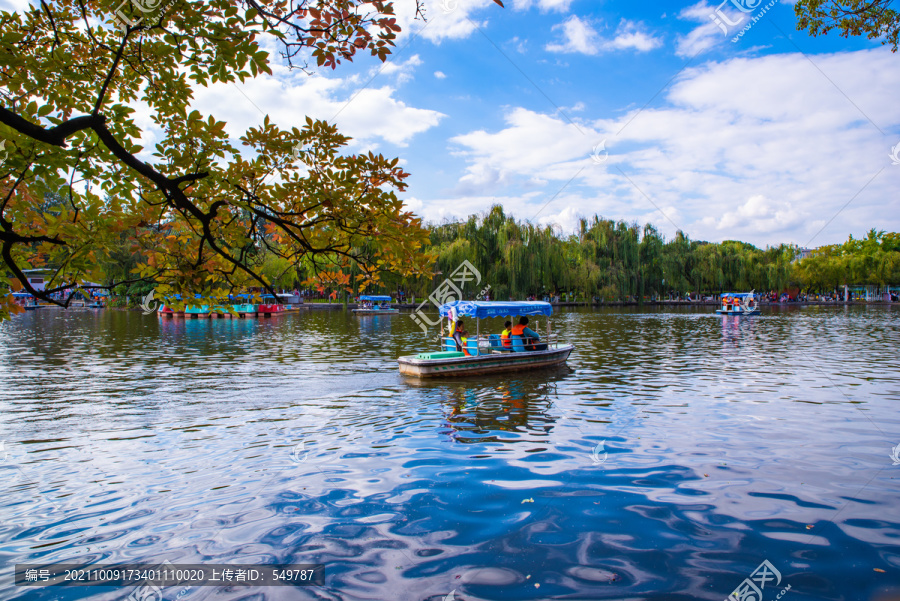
269	306
165	311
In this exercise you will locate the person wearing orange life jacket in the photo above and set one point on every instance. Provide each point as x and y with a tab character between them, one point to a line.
505	334
529	336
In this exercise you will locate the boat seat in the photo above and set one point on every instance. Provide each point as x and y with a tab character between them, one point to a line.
443	355
517	345
472	346
497	344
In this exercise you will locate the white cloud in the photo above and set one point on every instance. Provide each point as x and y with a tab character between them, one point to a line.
543	5
436	211
403	71
375	113
440	75
370	116
521	46
759	213
628	36
19	6
764	149
457	19
521	149
705	36
446	19
579	36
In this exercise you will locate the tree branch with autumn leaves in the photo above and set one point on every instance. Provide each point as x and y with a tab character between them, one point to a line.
200	211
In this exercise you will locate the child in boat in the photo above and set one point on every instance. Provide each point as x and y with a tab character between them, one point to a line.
505	334
460	335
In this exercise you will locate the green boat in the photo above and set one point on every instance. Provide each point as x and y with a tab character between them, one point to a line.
245	309
487	354
194	310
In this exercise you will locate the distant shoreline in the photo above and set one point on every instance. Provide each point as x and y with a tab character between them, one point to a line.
664	303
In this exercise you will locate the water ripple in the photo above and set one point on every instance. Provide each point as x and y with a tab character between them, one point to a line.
674	453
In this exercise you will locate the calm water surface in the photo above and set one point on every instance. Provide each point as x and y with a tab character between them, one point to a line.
674	454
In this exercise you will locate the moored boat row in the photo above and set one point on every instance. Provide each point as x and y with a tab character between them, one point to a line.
269	306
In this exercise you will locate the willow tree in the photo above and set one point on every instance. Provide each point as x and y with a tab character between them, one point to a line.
873	260
651	260
678	263
204	211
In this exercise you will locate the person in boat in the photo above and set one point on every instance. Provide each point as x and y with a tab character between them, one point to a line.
460	336
530	338
505	334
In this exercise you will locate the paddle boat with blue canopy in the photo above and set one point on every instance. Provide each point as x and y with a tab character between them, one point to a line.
375	304
487	353
741	303
26	301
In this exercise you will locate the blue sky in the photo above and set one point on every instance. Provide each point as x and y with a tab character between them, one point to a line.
775	137
764	138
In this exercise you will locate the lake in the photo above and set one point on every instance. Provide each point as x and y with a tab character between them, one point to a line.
677	452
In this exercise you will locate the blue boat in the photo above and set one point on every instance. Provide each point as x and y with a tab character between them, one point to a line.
486	353
739	303
374	304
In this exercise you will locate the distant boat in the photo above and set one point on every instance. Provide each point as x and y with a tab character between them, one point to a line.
739	303
486	353
26	301
289	300
269	306
375	305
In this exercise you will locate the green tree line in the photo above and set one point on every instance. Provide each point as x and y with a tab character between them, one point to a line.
603	260
614	260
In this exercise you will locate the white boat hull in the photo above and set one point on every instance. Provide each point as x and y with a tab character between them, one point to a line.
483	364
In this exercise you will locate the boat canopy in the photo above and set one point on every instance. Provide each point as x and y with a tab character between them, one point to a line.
738	294
375	297
485	309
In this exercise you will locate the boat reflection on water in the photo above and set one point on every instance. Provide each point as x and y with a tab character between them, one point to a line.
202	328
521	402
734	328
378	327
